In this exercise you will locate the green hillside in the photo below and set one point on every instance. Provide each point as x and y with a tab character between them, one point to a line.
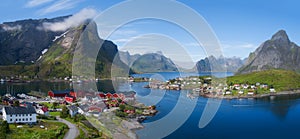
280	79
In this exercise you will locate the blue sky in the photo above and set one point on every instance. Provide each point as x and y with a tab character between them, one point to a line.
240	25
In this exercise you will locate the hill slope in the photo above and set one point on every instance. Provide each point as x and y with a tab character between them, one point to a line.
279	79
22	41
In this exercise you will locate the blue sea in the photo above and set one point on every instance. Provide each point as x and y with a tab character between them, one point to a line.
179	115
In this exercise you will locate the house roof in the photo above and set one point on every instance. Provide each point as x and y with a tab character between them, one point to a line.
44	109
19	110
73	108
61	92
84	107
68	95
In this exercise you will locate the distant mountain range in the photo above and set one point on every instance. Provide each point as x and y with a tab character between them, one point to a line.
277	53
157	62
146	63
220	64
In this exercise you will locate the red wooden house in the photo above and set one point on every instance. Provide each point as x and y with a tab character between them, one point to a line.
70	99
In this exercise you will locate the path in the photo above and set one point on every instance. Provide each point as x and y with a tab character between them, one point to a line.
73	130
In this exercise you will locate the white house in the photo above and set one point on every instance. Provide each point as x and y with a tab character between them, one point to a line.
241	92
73	110
19	114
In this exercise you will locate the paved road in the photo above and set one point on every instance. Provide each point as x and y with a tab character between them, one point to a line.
73	130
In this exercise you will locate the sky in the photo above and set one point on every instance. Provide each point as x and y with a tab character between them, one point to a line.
240	25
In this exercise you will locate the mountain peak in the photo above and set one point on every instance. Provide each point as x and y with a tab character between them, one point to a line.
281	35
277	53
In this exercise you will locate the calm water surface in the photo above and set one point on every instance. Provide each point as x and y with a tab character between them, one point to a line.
235	119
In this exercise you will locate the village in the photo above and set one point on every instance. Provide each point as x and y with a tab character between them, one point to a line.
77	107
202	86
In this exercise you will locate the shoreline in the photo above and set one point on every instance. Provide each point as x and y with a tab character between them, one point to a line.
281	93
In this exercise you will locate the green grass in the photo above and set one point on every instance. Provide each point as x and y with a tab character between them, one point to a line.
281	80
56	113
54	130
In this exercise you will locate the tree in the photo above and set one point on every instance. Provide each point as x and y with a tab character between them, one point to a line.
4	129
54	105
64	113
119	100
122	107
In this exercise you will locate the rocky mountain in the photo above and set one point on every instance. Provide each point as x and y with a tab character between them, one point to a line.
151	62
22	41
45	53
218	64
277	53
127	58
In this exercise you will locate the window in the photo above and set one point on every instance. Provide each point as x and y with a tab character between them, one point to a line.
23	119
16	119
10	115
26	119
10	120
30	119
16	115
29	114
20	119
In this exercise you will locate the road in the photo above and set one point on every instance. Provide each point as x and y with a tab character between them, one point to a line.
73	130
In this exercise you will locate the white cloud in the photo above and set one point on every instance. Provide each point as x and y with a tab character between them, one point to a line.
34	3
248	46
72	21
60	5
11	28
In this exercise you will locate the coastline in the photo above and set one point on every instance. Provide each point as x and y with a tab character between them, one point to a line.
281	93
117	127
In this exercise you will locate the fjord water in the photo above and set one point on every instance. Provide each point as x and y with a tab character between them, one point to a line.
236	119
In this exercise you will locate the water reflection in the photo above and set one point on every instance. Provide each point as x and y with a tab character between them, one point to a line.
15	88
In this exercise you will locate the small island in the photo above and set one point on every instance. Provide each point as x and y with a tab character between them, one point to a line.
252	85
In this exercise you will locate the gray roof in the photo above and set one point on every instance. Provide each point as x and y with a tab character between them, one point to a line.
19	110
84	107
73	108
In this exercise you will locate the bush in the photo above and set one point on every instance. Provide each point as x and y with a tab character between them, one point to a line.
122	107
46	117
121	113
64	113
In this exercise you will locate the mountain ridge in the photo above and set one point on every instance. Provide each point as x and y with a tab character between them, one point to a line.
56	58
276	53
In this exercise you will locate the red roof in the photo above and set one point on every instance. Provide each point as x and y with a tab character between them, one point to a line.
95	108
102	95
45	109
115	95
109	95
